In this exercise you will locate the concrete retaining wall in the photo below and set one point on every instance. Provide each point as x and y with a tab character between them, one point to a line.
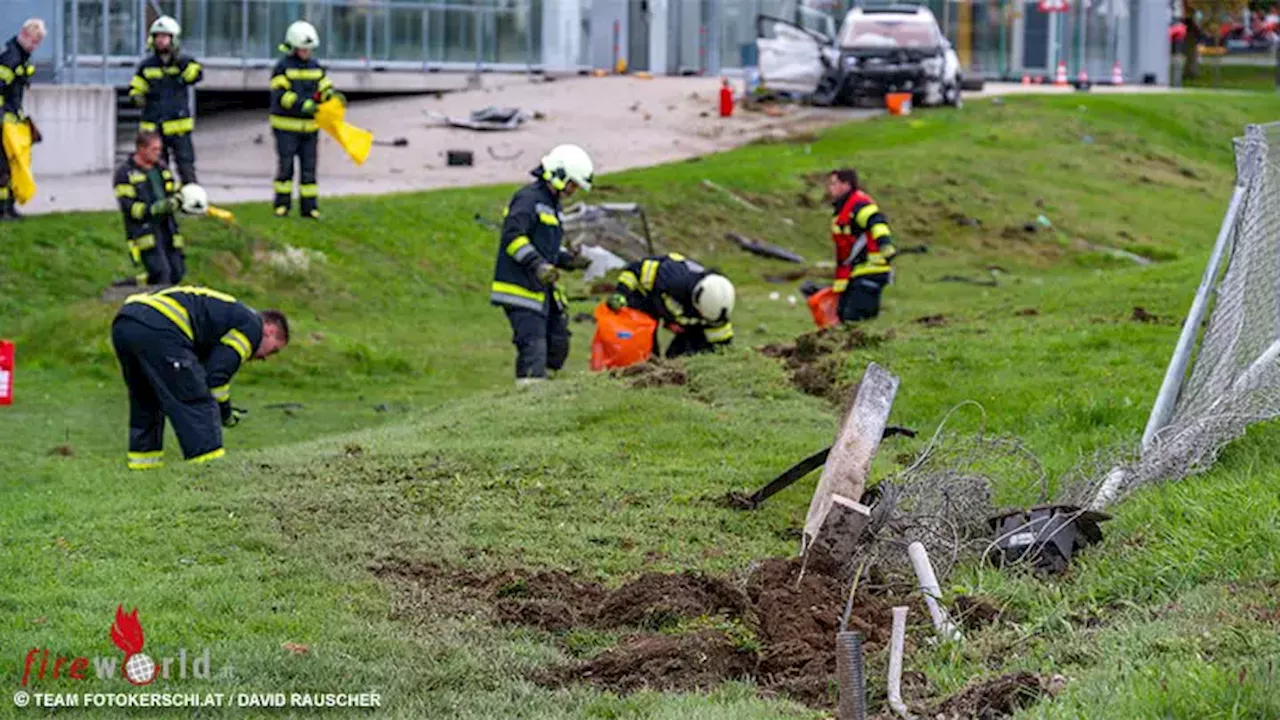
79	127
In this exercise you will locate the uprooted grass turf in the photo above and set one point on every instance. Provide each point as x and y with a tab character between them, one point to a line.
409	445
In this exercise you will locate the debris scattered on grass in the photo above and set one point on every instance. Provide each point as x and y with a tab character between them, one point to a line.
653	373
584	318
62	451
816	359
352	450
668	663
932	320
295	648
736	198
1141	315
1027	312
975	612
786	277
998	698
763	249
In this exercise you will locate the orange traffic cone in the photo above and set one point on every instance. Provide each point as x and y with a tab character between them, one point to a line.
1117	77
1026	79
1082	77
1060	77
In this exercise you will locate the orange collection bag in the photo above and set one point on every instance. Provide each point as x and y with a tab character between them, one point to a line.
823	305
622	338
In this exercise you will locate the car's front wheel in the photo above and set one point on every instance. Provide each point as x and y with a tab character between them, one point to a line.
951	95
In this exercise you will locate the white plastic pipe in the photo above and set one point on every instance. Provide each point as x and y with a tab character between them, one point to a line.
896	643
932	593
1109	488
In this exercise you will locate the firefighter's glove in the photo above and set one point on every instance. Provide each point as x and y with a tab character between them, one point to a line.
309	107
164	207
547	273
616	301
231	416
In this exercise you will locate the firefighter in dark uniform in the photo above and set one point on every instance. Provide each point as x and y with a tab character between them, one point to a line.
178	349
692	302
864	247
146	192
15	75
298	86
159	87
529	260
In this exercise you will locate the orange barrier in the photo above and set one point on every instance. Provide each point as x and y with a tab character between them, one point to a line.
898	103
622	338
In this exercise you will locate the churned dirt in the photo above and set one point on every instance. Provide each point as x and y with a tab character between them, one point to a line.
652	374
996	699
696	661
816	359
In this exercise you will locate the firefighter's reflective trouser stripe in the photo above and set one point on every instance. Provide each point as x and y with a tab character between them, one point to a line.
300	145
165	379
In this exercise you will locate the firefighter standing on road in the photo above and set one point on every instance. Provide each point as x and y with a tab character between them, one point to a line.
864	247
298	86
15	75
178	349
147	195
530	257
693	302
159	87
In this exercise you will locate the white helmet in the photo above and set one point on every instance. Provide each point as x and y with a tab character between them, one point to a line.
195	201
165	25
565	163
302	35
713	298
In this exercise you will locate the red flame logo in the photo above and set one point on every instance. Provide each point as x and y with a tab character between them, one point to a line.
126	633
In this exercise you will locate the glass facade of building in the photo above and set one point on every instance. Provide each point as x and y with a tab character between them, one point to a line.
994	38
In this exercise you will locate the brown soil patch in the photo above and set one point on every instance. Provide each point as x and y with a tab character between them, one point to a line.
1027	312
976	612
663	662
932	320
996	699
816	359
653	374
655	601
1141	315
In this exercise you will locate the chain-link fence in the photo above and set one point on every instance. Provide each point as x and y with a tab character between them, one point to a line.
1235	378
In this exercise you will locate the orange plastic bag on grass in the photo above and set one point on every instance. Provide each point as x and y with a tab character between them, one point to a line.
622	338
823	305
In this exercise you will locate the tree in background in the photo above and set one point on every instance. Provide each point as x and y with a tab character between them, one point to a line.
1202	18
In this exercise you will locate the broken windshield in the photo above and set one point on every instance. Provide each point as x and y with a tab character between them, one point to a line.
891	32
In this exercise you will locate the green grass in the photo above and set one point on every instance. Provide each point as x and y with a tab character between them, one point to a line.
1257	78
412	444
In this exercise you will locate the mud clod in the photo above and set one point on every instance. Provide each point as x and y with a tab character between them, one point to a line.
654	374
996	699
815	360
656	601
664	662
1027	312
932	320
1141	315
977	612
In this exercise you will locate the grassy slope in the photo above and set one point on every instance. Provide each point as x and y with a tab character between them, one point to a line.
273	545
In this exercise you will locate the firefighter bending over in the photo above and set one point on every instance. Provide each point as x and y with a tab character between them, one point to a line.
147	195
530	257
178	350
298	86
159	87
15	75
864	247
694	303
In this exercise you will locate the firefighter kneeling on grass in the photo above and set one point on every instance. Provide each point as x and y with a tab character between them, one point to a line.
530	257
178	349
864	247
694	303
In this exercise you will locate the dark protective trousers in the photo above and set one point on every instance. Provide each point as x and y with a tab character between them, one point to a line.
303	146
164	264
6	192
165	379
180	152
542	341
690	341
861	300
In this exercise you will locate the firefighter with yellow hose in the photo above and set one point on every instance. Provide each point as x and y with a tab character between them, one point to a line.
17	129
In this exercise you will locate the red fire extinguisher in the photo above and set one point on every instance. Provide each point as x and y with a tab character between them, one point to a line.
6	372
726	99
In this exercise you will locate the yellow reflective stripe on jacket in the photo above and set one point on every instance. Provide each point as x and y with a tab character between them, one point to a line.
137	177
238	342
125	190
548	219
878	231
648	274
6	75
627	279
288	100
292	124
178	242
145	126
138	86
169	308
325	84
520	249
212	455
222	393
138	210
309	190
676	256
503	288
840	285
280	82
146	242
193	69
153	73
872	269
304	73
197	290
866	212
179	126
724	333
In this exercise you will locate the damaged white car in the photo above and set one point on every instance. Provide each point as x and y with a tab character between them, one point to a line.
880	50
